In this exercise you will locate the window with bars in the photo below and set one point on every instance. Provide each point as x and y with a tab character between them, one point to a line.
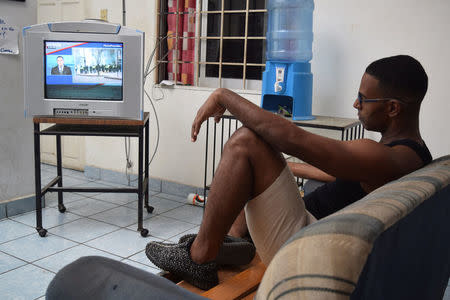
212	43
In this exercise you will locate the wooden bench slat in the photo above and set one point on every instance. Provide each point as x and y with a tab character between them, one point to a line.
238	286
234	283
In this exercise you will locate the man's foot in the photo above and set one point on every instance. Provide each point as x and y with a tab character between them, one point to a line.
234	251
176	259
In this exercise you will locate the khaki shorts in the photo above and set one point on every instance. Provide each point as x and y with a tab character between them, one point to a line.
275	215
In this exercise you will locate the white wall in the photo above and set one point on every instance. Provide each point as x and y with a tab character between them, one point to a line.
16	133
349	34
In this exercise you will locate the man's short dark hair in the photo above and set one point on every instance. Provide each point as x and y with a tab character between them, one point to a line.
60	56
401	77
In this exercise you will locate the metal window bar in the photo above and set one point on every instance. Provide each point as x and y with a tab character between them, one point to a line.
229	38
221	44
244	68
216	63
175	55
199	36
198	19
234	11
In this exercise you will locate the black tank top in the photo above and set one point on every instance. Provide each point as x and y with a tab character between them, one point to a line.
337	194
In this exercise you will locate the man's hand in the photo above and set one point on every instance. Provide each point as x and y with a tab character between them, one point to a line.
211	108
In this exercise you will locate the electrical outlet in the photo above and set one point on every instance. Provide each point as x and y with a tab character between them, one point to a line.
104	14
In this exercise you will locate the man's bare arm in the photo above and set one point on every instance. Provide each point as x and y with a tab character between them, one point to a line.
306	171
360	160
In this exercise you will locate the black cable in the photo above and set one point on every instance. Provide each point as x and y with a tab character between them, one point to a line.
127	157
150	59
146	73
124	14
157	139
157	127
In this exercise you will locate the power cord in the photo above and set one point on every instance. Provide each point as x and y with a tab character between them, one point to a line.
157	139
127	139
150	59
157	128
129	163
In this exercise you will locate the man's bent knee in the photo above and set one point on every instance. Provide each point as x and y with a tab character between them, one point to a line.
242	139
266	162
246	141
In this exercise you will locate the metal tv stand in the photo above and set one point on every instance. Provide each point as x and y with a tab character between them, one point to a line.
78	126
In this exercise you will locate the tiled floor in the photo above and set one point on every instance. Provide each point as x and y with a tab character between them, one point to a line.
94	224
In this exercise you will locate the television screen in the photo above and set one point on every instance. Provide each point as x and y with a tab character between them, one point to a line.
83	70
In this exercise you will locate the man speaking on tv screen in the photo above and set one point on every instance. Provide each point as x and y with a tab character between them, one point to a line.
61	69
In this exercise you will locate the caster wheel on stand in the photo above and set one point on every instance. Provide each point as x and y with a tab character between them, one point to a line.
42	232
150	209
61	208
144	232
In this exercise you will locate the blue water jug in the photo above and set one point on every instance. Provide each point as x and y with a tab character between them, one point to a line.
289	32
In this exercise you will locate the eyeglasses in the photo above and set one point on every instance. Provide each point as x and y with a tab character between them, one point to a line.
361	100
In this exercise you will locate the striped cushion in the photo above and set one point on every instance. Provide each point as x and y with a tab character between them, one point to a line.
324	260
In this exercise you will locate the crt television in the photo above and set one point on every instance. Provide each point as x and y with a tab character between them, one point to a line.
83	69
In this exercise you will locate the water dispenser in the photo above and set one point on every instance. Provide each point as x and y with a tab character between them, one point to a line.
287	80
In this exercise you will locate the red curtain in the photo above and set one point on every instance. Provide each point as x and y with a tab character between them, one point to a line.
184	49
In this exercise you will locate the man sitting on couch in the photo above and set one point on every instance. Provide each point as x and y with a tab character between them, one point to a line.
252	174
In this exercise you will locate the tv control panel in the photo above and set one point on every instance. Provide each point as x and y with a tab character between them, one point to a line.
70	112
